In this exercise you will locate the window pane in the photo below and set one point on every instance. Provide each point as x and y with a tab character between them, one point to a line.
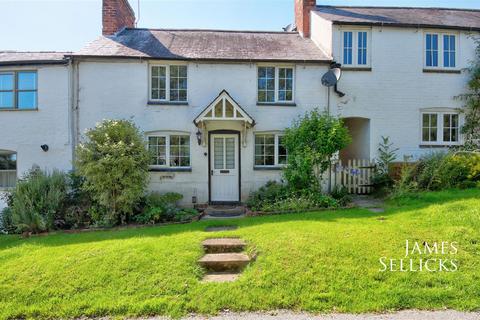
6	99
282	151
6	81
449	51
27	80
431	52
285	81
27	100
157	148
230	153
159	83
266	84
347	47
178	83
218	153
362	48
179	151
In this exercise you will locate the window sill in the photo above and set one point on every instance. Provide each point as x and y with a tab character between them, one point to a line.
167	103
268	168
440	70
366	69
15	109
185	169
427	146
277	104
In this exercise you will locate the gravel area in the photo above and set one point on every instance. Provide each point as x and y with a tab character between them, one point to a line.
289	315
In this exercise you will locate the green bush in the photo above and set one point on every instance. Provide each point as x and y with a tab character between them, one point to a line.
311	142
438	171
164	208
114	163
268	194
381	180
340	193
38	201
275	196
6	221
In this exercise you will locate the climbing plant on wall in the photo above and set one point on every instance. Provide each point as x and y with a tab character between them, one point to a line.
471	99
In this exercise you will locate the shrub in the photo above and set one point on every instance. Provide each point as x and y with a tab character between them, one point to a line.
275	196
38	201
382	180
268	194
114	162
340	193
164	208
311	142
6	221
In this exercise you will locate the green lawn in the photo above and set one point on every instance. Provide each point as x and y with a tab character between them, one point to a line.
320	262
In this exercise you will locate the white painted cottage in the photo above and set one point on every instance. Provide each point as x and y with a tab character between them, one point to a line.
213	104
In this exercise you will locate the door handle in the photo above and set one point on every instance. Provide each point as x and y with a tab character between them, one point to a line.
211	172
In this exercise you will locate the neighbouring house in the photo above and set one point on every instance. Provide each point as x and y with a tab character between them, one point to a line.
213	103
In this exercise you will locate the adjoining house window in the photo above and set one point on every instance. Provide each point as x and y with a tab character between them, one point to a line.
8	169
18	90
450	127
429	127
169	150
440	50
347	47
355	48
270	150
432	50
168	83
275	84
440	127
362	47
448	51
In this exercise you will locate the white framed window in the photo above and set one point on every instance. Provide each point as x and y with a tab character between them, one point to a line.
8	169
275	84
269	150
355	48
168	83
440	128
170	150
441	50
18	90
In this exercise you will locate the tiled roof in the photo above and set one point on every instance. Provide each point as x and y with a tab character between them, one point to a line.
30	57
206	45
467	19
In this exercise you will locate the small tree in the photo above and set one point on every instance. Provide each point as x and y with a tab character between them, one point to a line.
471	128
114	162
382	180
311	142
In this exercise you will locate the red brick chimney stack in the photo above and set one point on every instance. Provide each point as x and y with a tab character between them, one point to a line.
302	16
116	14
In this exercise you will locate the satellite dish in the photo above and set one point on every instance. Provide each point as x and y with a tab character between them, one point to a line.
331	78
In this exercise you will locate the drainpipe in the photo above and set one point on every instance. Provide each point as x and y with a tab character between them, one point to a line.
75	108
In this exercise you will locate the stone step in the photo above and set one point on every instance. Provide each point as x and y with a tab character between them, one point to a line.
223	245
224	261
225	211
220	277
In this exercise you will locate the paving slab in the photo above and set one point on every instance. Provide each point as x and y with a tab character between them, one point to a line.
224	261
220	277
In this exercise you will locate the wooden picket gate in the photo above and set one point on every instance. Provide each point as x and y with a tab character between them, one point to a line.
354	174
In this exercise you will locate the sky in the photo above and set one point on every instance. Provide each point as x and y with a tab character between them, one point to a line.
67	25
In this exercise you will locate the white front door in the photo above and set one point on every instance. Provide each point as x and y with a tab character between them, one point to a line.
224	168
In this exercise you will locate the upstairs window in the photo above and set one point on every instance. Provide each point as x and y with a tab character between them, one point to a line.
275	84
168	83
440	50
270	150
355	48
440	128
169	150
18	90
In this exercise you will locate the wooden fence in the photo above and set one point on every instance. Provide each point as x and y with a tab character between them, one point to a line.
354	174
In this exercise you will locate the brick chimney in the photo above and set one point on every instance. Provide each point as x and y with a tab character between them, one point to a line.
116	14
302	16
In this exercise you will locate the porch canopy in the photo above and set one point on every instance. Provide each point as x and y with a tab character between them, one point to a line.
223	108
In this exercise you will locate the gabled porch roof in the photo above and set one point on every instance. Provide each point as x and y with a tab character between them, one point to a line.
222	108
